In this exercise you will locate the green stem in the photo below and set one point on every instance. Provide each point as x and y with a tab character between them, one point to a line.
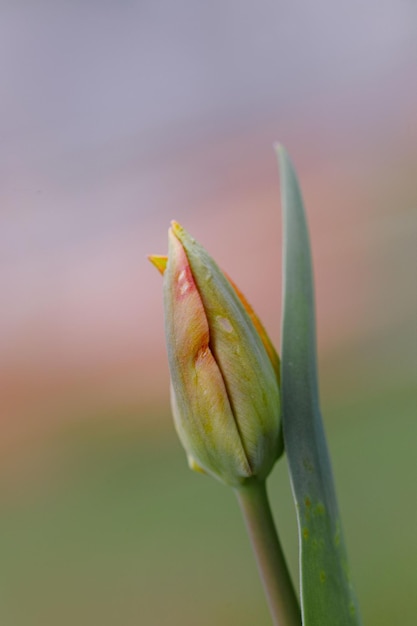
283	603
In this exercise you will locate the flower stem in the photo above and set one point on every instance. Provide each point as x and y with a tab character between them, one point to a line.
283	603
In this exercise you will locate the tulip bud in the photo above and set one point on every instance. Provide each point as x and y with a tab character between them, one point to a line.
224	370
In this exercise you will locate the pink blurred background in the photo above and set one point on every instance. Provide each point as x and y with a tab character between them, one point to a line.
116	117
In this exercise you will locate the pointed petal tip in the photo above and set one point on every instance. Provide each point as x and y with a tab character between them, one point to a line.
179	233
193	465
159	261
176	228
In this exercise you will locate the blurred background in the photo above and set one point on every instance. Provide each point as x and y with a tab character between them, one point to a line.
116	117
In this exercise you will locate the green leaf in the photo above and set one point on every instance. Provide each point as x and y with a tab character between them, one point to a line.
327	596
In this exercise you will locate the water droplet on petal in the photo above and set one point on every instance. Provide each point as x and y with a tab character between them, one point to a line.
225	324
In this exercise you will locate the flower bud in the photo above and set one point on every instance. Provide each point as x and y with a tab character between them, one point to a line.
224	370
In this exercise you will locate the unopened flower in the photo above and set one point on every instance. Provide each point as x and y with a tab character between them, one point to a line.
224	370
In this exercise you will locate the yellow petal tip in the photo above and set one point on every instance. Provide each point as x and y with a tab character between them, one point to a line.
177	229
159	261
193	465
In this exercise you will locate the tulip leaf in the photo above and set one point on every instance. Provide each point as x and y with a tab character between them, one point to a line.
327	596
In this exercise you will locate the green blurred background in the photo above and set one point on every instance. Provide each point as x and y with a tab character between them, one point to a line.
116	117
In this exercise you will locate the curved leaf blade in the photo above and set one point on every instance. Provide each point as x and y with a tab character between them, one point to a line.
327	596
